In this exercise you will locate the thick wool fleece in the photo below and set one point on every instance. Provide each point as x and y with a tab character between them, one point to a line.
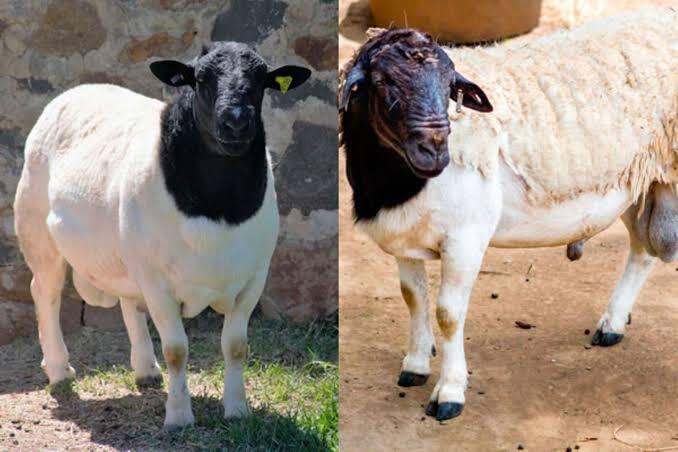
578	111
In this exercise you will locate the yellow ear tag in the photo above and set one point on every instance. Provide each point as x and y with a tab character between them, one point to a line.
284	82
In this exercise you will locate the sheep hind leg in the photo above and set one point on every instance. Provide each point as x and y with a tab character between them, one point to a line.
46	287
639	264
142	356
416	368
47	265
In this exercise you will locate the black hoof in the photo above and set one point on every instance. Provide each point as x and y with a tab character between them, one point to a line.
433	349
448	410
606	339
152	382
408	379
432	409
628	320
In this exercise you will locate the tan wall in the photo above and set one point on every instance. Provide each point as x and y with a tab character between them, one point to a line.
47	47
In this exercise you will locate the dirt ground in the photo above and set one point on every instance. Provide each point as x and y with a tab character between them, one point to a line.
291	382
541	388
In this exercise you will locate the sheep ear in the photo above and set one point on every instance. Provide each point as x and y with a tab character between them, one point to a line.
287	77
173	73
353	79
474	97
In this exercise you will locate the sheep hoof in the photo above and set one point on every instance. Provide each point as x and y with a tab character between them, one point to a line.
433	350
432	408
150	382
408	379
628	320
174	428
178	420
444	411
606	339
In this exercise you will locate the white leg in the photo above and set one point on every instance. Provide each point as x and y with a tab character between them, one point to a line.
166	315
461	258
46	286
142	356
234	346
638	267
414	287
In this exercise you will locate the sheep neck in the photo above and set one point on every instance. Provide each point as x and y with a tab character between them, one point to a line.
203	183
379	177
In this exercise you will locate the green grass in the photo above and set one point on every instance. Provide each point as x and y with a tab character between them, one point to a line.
292	381
292	386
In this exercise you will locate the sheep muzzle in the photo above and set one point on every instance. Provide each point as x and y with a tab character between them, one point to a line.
427	153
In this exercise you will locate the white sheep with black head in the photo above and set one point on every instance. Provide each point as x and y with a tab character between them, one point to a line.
169	208
577	129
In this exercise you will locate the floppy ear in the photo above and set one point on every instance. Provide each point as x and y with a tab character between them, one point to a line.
474	97
354	78
287	77
173	73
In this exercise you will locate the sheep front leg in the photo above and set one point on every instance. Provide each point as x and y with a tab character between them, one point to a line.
166	315
461	258
234	346
413	286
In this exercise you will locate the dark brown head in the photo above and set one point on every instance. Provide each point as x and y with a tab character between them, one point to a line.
406	81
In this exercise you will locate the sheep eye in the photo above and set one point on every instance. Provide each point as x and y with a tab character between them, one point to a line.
391	103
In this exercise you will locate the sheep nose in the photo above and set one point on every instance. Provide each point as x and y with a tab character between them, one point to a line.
437	139
434	141
237	118
428	149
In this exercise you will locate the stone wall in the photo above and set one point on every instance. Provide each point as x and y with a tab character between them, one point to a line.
47	47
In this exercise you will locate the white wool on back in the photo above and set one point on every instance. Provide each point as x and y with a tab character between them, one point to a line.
586	110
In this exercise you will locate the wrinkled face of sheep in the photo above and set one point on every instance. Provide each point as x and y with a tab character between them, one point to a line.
407	81
229	79
408	103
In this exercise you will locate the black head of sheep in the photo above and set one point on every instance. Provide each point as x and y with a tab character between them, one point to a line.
405	80
228	80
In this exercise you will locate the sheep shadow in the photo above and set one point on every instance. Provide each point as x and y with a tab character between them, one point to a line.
134	419
93	351
134	422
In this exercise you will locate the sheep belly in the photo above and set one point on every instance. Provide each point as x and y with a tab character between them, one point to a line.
525	226
91	248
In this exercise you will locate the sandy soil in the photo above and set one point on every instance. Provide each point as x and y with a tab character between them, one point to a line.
543	388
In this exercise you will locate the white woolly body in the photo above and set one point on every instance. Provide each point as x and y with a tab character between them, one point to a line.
111	216
561	156
585	110
584	123
92	193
